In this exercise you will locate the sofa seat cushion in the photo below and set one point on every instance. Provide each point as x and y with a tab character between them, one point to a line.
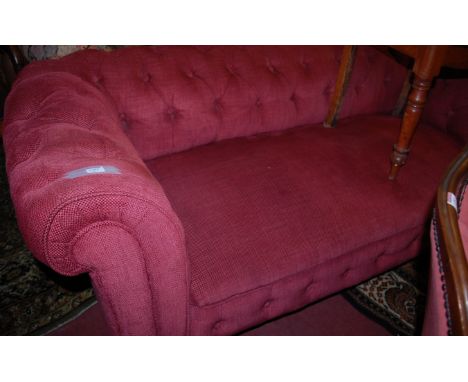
266	208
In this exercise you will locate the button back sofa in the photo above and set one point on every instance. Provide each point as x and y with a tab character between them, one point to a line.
198	188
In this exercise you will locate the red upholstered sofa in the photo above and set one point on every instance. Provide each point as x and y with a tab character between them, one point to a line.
198	187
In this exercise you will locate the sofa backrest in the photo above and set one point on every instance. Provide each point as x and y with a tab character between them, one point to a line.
171	98
447	107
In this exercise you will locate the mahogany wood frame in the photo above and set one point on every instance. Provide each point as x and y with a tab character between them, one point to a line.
428	61
344	74
452	252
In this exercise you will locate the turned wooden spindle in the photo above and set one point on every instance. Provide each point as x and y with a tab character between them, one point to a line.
411	116
428	59
427	63
344	74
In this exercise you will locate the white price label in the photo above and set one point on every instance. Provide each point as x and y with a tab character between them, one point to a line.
452	200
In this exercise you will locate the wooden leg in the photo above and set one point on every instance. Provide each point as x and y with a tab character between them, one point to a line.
398	110
413	110
342	80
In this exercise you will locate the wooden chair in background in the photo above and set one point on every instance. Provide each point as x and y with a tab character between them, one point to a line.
428	61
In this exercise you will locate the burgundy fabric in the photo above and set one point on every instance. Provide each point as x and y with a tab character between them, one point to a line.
173	98
436	316
57	123
447	107
289	223
463	224
301	213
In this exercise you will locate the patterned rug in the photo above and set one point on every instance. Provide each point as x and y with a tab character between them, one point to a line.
395	299
35	300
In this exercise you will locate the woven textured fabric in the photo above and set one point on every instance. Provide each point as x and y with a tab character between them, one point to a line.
221	228
279	206
173	98
101	223
447	107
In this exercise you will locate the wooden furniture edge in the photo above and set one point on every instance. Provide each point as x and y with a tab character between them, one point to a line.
342	80
452	252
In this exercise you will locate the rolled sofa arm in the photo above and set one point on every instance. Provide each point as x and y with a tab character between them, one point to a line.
85	202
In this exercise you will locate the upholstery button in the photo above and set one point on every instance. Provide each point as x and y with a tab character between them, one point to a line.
267	304
193	74
346	272
293	97
147	78
231	70
271	67
124	121
172	114
258	103
357	89
379	256
327	90
310	287
217	104
218	325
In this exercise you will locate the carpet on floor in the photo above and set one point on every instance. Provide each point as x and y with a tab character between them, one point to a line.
35	300
396	299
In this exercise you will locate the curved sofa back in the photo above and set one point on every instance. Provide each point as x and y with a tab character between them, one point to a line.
172	98
447	107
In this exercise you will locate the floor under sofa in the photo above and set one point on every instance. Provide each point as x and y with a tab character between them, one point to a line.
333	316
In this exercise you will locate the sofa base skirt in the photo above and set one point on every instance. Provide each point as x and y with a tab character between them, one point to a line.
246	310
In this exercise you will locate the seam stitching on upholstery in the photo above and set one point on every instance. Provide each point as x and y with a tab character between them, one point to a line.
240	295
111	305
105	97
175	225
91	227
65	203
227	299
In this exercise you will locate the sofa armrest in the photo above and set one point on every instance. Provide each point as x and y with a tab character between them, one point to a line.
85	202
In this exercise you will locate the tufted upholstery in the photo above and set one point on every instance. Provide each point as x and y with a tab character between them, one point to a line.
296	224
447	107
67	124
170	99
222	212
